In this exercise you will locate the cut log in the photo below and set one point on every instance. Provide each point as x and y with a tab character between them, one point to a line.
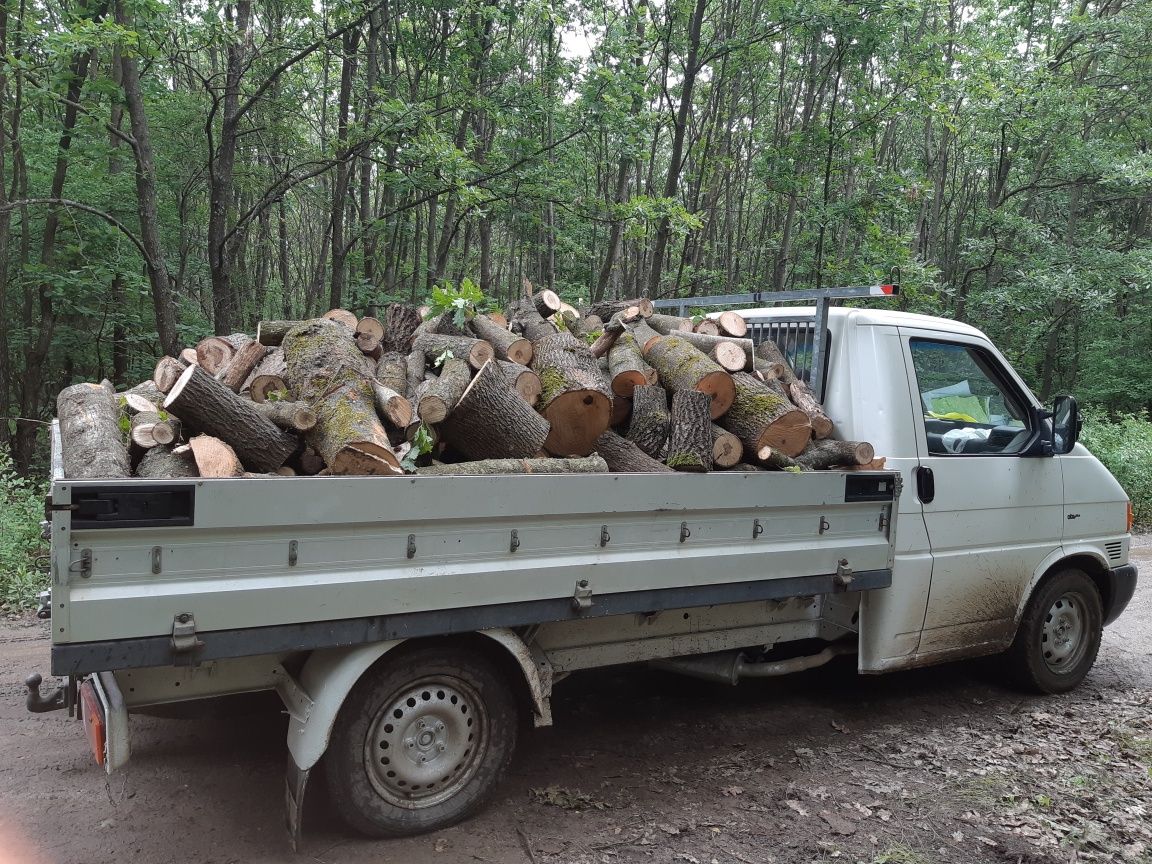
649	427
829	453
798	390
415	365
528	322
344	317
523	380
144	392
732	324
627	366
148	429
586	465
272	364
876	464
588	325
90	432
267	387
271	333
778	461
213	354
690	438
212	408
444	324
214	458
727	450
237	340
728	356
707	343
187	357
475	352
285	471
707	327
164	463
167	371
644	335
134	403
437	398
392	372
393	408
491	421
765	370
370	327
369	345
624	457
400	323
761	416
665	324
613	330
325	370
546	303
607	308
576	398
507	344
683	367
240	367
293	416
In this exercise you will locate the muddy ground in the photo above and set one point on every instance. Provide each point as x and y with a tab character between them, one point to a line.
938	765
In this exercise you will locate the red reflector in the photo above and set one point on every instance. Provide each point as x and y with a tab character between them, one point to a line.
93	716
887	289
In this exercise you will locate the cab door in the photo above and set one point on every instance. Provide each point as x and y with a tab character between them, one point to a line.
993	514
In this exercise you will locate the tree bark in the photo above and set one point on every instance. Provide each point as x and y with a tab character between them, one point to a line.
797	389
624	457
240	367
164	463
669	324
292	416
491	421
326	371
649	427
271	333
90	433
682	367
829	453
475	352
576	400
523	380
507	344
606	309
210	407
761	416
392	372
690	438
440	395
627	366
400	323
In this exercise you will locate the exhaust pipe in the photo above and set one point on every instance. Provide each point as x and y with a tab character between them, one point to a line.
730	667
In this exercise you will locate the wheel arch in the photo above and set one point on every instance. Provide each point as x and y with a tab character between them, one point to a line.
1085	558
315	697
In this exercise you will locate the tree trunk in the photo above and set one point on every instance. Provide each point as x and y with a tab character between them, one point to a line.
475	352
440	395
291	416
210	407
624	457
682	367
392	372
508	345
90	433
644	335
240	367
326	371
649	427
391	406
400	323
491	421
523	380
349	41
585	465
162	463
761	416
627	367
576	400
828	453
690	438
271	333
606	309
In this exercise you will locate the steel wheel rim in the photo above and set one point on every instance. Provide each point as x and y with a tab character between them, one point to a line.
425	743
1063	637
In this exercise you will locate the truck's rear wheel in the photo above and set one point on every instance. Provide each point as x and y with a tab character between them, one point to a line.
1059	635
421	742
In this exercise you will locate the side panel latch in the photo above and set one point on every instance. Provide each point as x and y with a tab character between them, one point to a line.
582	596
184	640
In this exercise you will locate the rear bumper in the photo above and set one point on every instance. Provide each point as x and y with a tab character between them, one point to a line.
1121	584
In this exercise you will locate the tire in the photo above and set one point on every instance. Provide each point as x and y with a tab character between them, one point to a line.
421	741
1059	635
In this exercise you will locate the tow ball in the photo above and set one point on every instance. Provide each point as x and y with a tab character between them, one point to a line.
40	704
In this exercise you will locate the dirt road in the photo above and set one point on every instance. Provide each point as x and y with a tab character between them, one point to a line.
940	765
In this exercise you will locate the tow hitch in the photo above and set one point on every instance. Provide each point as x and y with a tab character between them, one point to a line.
40	704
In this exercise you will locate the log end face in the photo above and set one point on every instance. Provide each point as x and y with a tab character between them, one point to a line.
520	352
789	433
578	418
721	389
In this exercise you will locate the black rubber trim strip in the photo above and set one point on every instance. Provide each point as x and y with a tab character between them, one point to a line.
83	657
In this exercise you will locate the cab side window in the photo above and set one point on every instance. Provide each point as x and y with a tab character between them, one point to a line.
969	409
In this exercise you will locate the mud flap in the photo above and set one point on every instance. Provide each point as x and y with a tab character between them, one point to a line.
295	782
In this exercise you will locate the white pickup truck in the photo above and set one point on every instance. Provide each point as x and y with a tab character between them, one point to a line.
410	625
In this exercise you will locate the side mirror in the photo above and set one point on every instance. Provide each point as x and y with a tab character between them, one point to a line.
1066	424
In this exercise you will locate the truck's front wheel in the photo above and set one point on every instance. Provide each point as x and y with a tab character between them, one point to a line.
1059	634
421	741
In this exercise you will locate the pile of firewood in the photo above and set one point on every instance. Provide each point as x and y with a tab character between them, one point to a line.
543	388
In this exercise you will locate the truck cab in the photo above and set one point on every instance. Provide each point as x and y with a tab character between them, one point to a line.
994	507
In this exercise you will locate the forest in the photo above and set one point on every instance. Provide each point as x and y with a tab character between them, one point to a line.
169	170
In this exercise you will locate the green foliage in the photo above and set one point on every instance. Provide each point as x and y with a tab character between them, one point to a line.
442	358
1124	444
21	508
463	302
421	444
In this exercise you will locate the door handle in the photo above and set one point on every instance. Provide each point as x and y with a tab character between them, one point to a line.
925	485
